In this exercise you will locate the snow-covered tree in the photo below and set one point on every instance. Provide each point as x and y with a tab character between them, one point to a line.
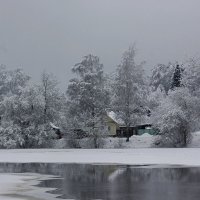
155	98
176	117
191	76
10	135
12	81
87	96
130	90
162	76
22	110
51	99
22	116
12	84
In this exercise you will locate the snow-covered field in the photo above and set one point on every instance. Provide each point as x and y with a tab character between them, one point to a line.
162	156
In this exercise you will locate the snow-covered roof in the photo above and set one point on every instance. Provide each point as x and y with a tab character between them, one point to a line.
146	120
115	118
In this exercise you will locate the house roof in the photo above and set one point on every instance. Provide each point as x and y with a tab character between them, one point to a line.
144	121
115	118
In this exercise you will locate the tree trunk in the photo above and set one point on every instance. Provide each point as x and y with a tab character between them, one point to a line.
95	142
127	134
184	138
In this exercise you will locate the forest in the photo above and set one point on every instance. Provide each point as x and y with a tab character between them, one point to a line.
169	97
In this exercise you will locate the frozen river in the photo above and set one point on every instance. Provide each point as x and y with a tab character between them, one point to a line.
40	181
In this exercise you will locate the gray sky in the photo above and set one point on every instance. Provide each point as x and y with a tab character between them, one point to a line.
55	34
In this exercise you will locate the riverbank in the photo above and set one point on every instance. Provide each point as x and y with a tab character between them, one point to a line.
148	156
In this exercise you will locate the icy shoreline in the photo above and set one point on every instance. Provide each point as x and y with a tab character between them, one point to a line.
21	187
181	156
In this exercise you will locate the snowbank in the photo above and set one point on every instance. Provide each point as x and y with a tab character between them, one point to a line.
143	141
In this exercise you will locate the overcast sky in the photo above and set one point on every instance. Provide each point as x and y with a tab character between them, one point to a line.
55	34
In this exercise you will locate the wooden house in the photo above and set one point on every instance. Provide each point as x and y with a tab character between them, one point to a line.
116	127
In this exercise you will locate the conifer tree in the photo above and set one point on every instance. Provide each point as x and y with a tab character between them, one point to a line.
177	76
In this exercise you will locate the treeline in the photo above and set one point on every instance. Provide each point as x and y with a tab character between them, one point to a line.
27	109
169	98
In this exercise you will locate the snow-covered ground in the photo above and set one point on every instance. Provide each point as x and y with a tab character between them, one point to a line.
143	141
161	156
135	152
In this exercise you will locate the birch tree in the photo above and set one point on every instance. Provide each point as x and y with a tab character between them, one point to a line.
129	100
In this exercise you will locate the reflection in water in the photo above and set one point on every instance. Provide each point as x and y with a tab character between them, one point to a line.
113	182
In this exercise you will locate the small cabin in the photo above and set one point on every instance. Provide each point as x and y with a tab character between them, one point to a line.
116	127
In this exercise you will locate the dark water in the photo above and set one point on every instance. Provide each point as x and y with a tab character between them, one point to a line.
114	182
